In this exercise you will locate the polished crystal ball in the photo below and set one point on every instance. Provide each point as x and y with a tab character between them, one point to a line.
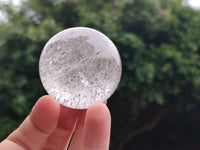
79	67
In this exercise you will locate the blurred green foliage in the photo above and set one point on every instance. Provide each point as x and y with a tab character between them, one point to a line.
158	42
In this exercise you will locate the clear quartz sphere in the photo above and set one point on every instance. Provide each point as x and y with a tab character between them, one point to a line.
79	67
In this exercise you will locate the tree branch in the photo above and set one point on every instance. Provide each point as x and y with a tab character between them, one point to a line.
144	128
131	121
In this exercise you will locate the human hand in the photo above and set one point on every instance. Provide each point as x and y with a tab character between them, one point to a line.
50	127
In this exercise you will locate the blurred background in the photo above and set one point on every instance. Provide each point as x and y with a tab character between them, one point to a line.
157	104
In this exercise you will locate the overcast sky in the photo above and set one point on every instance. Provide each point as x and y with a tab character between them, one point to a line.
14	1
195	3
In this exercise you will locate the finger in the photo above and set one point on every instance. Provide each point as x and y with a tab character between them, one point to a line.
36	128
63	132
9	145
96	134
78	132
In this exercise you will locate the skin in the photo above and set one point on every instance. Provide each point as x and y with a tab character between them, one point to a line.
50	127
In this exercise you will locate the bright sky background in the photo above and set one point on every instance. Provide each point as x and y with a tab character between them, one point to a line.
195	3
14	1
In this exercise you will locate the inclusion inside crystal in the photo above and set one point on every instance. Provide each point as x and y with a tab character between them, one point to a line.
79	67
